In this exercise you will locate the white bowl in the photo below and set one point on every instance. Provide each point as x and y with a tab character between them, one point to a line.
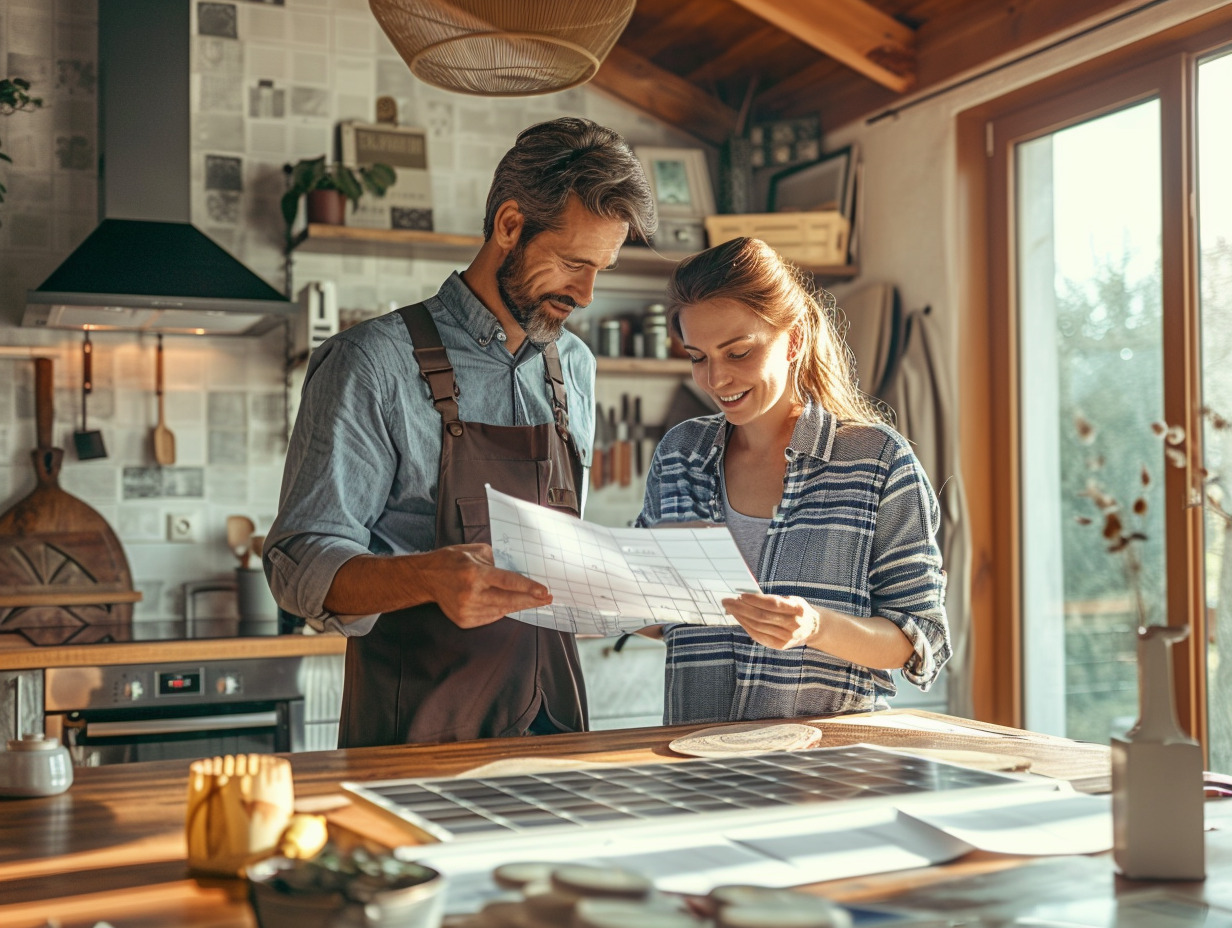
418	906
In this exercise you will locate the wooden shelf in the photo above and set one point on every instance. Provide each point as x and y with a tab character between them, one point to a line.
403	243
168	651
62	598
671	367
441	246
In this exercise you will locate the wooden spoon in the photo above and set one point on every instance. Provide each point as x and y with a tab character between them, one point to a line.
164	440
239	537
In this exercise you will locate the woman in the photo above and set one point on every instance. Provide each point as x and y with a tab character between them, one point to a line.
828	505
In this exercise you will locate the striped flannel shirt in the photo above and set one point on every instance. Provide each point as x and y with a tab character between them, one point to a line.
855	533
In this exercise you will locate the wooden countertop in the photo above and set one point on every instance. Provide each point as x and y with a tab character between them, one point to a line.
112	848
179	649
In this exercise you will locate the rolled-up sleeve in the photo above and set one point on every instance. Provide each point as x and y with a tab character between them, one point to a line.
906	580
341	463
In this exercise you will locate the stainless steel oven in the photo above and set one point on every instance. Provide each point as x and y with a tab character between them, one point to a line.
183	710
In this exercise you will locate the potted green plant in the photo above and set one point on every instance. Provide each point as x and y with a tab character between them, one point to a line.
14	97
329	186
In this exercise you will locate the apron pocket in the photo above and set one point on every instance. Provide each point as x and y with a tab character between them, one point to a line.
473	517
562	498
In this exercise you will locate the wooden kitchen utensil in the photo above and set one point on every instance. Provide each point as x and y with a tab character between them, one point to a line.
60	562
239	537
164	440
89	442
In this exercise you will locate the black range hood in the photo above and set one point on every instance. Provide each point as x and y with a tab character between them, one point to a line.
146	267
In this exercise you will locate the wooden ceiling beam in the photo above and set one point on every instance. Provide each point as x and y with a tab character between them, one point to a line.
686	19
851	31
643	84
753	47
963	41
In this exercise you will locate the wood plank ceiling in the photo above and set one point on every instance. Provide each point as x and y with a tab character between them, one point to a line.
701	64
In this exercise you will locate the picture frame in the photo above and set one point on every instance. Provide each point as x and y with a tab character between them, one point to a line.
679	180
408	203
826	184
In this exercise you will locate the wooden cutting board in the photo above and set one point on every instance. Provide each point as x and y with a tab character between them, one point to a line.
58	556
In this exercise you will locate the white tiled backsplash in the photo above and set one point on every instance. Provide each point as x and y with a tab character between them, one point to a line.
271	95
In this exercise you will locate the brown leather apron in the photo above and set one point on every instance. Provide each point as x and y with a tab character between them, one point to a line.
418	677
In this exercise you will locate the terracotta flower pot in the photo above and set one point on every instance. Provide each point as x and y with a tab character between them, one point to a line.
327	207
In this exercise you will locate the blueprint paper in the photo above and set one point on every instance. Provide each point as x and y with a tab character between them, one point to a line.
607	581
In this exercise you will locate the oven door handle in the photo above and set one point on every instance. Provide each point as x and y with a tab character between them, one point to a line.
174	726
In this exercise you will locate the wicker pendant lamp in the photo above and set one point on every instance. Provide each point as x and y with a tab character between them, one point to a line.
503	48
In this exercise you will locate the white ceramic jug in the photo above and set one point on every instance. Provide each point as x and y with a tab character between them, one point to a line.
35	765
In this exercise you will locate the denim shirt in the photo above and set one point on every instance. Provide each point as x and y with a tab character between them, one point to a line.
855	533
364	457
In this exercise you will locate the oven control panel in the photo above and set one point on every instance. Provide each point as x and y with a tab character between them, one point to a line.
67	689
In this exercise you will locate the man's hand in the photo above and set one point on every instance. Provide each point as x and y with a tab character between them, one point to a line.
471	591
779	622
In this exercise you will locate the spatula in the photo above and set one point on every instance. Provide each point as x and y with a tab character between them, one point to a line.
89	442
164	440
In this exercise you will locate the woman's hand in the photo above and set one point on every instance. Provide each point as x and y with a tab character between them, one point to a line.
780	622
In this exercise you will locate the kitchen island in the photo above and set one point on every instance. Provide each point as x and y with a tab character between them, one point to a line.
112	848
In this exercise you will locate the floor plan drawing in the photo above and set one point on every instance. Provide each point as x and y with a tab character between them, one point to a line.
608	581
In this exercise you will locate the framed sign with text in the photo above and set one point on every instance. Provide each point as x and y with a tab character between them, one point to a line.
408	203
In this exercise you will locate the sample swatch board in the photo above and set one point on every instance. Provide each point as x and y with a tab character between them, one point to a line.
783	784
606	581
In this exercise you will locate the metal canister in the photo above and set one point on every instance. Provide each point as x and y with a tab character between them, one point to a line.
654	334
609	338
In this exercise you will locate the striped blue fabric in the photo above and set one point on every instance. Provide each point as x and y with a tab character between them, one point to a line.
856	533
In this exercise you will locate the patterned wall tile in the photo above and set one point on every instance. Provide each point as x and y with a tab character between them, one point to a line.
323	59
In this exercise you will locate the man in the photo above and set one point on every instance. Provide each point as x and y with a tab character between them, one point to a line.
382	526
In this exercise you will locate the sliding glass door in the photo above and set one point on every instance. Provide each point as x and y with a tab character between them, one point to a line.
1090	361
1094	281
1214	187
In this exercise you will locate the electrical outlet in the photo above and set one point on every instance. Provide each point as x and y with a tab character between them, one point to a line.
184	526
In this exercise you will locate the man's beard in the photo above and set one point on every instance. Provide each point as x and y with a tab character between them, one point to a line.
537	320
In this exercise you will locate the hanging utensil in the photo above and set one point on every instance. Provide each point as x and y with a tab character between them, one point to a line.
239	537
89	442
164	440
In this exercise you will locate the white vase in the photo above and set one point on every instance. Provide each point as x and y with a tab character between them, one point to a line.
1157	794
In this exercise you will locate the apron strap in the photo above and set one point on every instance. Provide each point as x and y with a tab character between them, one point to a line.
435	369
433	361
556	380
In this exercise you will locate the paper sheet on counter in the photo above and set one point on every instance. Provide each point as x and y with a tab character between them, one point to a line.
789	853
1040	819
1052	823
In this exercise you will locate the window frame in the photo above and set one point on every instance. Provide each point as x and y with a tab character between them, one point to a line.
1163	66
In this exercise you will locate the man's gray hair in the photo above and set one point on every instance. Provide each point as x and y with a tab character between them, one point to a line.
566	156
